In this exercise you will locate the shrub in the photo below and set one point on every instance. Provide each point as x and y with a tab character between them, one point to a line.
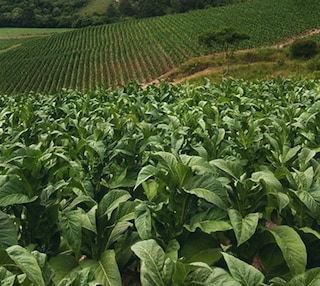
303	49
314	64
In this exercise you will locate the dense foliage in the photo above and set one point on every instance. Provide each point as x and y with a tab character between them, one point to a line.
168	185
304	48
39	13
60	13
142	50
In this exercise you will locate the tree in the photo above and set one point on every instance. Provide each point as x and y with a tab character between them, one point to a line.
226	39
126	8
303	48
147	8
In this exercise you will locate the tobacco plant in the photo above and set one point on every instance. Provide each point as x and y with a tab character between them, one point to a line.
167	185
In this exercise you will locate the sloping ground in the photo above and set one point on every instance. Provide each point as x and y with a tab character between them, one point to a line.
142	50
210	66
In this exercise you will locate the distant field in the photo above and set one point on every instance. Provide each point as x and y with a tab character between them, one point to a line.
10	37
95	6
17	32
142	50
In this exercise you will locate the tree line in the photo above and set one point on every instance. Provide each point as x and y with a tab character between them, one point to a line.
61	13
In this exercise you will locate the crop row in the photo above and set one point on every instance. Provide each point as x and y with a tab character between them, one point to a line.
142	50
168	185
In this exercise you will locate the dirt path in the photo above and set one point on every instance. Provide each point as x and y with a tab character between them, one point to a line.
23	36
301	36
10	48
213	69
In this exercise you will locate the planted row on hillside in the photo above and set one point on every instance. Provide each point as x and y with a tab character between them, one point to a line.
142	50
168	185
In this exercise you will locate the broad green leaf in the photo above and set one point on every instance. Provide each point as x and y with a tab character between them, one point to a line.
47	271
82	200
116	231
277	281
208	188
283	200
70	224
208	256
152	262
209	226
232	168
308	200
89	219
304	179
210	221
13	192
209	196
9	280
150	189
125	211
6	277
106	269
168	271
219	277
119	180
172	249
27	263
305	156
79	277
292	247
308	230
99	147
111	201
146	173
181	173
181	271
169	159
195	273
242	272
245	227
8	233
308	278
289	153
4	257
142	220
269	178
62	264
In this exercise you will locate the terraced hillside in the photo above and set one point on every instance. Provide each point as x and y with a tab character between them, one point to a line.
142	50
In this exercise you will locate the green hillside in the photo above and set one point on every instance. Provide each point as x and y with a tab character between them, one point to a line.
142	50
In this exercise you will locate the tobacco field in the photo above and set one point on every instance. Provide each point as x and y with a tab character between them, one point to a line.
169	185
142	50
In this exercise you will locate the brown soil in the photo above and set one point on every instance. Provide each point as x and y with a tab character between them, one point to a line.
301	36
